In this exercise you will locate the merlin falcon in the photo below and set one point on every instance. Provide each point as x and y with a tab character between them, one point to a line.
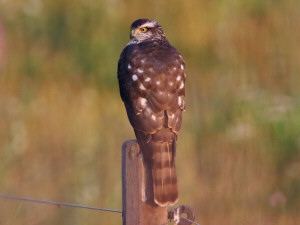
152	86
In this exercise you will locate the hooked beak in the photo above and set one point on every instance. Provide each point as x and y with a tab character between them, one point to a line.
132	33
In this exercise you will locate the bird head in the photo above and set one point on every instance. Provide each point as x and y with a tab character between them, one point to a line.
146	29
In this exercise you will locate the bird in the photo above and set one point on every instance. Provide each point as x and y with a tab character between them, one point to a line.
151	76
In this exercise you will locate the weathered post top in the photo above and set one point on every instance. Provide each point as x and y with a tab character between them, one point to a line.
138	206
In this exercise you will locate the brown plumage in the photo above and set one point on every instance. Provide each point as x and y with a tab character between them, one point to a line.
152	86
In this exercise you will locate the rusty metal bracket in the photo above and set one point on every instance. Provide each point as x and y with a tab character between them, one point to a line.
176	215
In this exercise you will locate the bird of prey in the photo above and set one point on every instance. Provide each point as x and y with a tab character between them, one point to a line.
152	86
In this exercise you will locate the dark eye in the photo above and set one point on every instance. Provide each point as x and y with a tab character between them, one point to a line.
143	29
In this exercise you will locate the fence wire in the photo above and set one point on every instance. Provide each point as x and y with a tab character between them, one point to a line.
59	204
191	221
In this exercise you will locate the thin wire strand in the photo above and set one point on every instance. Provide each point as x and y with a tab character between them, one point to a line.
190	221
59	204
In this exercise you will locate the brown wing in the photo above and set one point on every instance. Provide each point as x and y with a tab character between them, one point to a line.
152	86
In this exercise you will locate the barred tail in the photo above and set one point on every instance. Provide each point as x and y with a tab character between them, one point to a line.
164	174
159	156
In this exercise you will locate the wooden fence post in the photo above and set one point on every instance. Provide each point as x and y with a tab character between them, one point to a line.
136	179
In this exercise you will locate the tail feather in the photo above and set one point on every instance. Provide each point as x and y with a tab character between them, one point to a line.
164	175
159	155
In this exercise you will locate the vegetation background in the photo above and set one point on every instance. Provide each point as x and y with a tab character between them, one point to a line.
62	121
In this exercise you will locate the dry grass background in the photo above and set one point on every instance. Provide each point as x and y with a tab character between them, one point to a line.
62	121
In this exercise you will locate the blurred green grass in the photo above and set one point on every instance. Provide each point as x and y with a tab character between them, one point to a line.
62	121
